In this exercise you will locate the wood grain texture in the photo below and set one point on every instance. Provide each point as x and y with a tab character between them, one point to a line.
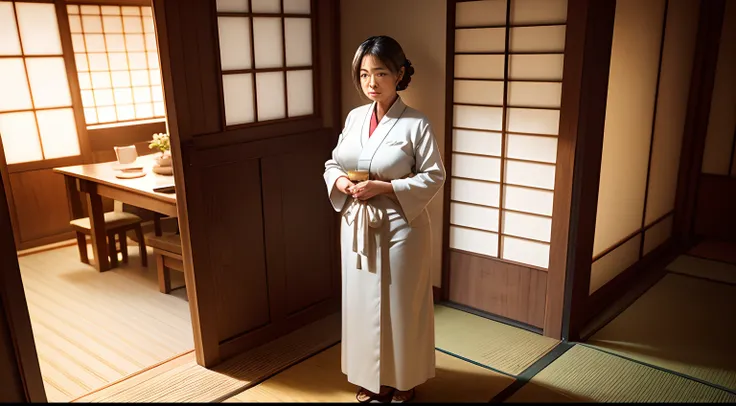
231	203
512	291
39	198
94	328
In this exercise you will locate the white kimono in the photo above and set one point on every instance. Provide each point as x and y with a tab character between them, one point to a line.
387	307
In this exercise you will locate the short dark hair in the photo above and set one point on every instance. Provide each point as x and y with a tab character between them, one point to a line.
388	51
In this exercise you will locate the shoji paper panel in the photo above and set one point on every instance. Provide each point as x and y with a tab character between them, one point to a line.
238	94
20	137
232	5
300	94
482	118
480	40
39	31
722	120
535	94
234	42
270	95
674	89
538	12
473	191
476	167
530	174
478	92
468	215
657	235
479	66
528	200
524	251
534	121
15	94
531	147
482	242
10	44
536	67
527	225
629	115
476	142
480	13
537	39
608	267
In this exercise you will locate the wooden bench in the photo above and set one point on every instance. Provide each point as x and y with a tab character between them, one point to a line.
167	252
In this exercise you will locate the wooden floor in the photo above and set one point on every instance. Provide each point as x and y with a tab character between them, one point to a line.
94	328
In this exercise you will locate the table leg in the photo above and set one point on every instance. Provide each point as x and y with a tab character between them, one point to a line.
97	226
75	200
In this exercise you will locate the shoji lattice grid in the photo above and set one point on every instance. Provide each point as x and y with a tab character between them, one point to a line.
266	56
36	116
506	108
117	63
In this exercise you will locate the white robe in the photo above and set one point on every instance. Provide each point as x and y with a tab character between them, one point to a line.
387	307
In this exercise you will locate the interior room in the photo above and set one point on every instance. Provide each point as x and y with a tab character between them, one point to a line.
81	86
166	234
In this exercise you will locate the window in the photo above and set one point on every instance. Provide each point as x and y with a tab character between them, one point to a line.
117	63
266	56
37	121
506	108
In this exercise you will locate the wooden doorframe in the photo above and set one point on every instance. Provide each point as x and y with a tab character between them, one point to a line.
14	303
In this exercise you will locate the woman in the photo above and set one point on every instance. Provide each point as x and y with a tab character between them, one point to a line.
387	307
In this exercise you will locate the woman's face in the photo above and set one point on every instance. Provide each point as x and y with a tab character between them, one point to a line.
377	80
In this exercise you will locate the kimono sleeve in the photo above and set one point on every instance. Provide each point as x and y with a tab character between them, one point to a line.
333	171
415	193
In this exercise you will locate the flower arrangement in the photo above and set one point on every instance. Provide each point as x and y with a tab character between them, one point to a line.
160	141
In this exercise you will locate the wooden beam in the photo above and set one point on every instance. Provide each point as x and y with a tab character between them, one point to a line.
582	118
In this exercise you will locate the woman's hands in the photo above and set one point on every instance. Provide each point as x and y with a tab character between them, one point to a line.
370	188
344	184
363	190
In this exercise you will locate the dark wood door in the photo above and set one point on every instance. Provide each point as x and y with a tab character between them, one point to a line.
257	228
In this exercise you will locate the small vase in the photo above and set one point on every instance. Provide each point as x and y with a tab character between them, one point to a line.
163	164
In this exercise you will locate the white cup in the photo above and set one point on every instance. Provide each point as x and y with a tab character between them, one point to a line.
126	155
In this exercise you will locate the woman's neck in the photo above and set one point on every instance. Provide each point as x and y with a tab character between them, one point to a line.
382	109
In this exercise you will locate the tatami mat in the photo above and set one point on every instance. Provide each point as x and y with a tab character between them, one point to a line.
682	324
319	379
704	268
586	375
716	250
185	381
499	346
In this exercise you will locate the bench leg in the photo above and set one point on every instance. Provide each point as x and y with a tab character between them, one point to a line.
164	277
82	245
123	237
141	245
112	250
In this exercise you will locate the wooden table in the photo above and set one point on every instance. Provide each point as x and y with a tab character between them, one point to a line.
98	180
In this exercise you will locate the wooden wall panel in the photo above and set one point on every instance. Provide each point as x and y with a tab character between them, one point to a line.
512	291
307	227
12	386
40	204
20	375
231	203
715	213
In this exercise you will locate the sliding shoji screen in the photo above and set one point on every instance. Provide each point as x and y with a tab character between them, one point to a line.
117	63
720	141
649	82
37	121
506	108
267	59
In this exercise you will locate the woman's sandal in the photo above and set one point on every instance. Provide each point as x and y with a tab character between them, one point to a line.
369	397
403	396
